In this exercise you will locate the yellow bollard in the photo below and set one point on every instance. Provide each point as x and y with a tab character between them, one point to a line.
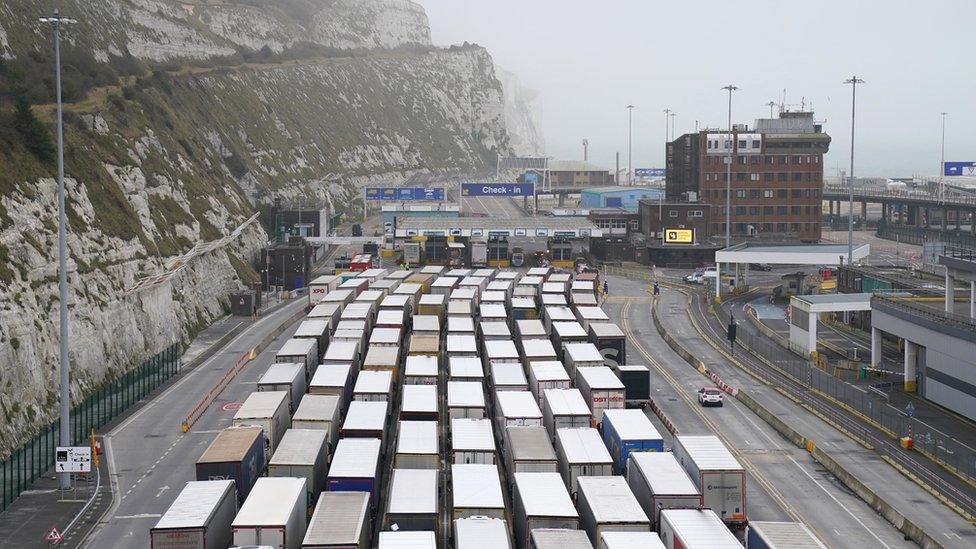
184	427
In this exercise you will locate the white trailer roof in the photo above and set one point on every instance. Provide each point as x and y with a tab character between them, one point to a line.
481	532
465	394
261	404
417	437
324	279
548	370
420	365
495	329
385	336
426	323
501	349
523	303
337	296
465	366
331	375
460	308
464	294
445	282
611	499
582	445
413	491
400	275
324	310
338	518
507	275
550	287
708	452
472	434
599	377
566	402
419	398
559	277
373	273
356	336
382	356
507	374
476	486
554	300
461	343
663	473
583	352
431	299
408	288
460	325
373	382
355	458
351	325
531	328
458	273
558	313
271	501
517	404
369	296
544	495
195	504
493	297
584	298
388	284
541	348
629	540
592	313
312	328
631	424
432	269
354	283
300	346
700	528
582	286
569	329
606	329
408	540
389	317
282	372
473	281
500	286
366	415
560	538
531	279
299	447
317	407
794	535
529	443
486	272
395	301
493	310
341	351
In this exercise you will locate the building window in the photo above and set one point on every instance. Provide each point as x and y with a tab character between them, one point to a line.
767	210
768	159
781	210
795	210
755	144
797	176
742	143
797	159
672	213
795	193
753	193
740	176
754	177
709	143
816	159
755	160
781	227
769	176
740	210
695	213
781	193
753	210
740	194
742	160
767	194
782	176
618	224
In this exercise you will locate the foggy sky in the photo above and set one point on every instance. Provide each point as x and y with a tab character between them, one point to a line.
589	59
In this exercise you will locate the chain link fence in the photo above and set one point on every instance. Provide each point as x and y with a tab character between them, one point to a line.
25	464
941	447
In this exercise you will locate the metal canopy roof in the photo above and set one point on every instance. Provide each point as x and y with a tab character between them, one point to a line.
483	226
809	254
829	303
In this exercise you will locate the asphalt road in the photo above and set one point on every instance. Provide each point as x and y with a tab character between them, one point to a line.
506	208
784	482
150	460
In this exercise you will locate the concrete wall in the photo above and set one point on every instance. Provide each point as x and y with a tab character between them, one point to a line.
946	366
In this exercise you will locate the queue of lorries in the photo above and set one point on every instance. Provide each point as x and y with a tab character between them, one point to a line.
458	408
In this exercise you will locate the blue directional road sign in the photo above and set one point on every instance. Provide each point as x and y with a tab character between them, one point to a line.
650	172
497	189
960	168
404	194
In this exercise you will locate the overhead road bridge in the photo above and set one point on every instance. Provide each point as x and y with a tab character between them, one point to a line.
800	254
908	207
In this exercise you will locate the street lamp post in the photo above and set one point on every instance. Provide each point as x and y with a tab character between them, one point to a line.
853	81
630	141
667	127
942	163
64	479
672	124
728	173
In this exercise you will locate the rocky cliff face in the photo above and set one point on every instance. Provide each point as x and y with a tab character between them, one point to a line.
522	116
177	158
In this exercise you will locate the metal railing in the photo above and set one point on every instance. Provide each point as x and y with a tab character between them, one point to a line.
906	195
27	463
904	303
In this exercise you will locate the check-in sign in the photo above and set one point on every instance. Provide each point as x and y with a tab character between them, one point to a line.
679	236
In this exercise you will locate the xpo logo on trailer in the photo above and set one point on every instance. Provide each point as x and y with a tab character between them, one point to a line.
497	189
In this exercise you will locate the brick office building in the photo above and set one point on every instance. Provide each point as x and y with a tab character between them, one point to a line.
777	176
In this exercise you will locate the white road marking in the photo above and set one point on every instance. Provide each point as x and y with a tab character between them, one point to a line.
838	502
139	516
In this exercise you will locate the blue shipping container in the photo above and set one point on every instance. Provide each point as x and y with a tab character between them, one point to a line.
354	485
244	471
633	432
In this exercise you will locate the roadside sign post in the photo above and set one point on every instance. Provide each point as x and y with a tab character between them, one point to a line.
53	537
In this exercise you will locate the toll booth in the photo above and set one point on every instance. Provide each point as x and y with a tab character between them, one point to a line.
563	251
456	255
435	250
498	252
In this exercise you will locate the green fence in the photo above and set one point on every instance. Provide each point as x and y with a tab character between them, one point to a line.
25	464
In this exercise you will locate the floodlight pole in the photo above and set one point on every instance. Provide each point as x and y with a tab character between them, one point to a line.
728	174
853	81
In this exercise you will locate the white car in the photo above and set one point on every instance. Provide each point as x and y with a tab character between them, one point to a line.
699	276
710	396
